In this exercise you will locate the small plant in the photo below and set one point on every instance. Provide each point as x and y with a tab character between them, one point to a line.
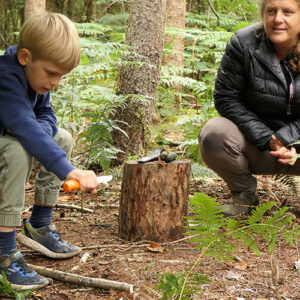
7	290
218	237
183	283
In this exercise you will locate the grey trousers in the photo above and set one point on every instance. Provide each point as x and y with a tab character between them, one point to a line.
226	151
15	168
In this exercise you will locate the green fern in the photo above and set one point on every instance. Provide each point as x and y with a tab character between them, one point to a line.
91	29
7	290
200	172
206	221
172	285
210	227
219	237
272	228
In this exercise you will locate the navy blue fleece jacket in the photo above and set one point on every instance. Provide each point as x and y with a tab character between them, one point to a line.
29	116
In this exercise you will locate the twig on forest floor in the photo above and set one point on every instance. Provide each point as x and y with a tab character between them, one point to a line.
81	290
166	261
72	206
82	280
137	244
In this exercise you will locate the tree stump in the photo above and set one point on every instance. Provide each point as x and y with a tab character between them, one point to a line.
154	200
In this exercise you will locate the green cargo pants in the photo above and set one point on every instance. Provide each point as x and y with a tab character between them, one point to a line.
15	168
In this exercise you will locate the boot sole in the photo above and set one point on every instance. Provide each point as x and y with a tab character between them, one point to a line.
21	287
31	244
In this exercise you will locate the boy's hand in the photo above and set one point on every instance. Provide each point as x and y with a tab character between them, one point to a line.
87	179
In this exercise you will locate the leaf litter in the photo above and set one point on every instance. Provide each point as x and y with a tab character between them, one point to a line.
139	263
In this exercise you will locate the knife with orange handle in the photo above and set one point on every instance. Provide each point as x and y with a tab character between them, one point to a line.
73	184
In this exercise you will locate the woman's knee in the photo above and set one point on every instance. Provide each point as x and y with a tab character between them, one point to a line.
212	136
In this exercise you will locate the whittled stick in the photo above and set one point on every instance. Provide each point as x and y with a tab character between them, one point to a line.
82	280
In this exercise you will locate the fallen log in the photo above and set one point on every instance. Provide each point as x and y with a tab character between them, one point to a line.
82	280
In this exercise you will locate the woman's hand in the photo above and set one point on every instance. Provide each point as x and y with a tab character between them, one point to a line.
87	179
275	144
285	156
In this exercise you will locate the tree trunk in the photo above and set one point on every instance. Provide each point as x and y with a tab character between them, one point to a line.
90	7
145	34
154	200
34	7
176	19
69	9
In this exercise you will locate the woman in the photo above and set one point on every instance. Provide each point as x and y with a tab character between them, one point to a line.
257	93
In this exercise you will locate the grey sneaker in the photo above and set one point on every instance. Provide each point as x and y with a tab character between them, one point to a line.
19	274
47	241
242	204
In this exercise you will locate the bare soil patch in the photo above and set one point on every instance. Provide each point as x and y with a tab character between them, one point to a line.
112	258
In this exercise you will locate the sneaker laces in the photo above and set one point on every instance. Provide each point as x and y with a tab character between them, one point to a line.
21	263
56	235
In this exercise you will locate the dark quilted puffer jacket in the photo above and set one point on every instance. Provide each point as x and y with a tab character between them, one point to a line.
256	91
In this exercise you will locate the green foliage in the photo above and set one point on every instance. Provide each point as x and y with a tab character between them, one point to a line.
172	285
191	124
242	8
271	229
266	222
205	42
218	237
206	221
91	29
7	290
199	172
87	100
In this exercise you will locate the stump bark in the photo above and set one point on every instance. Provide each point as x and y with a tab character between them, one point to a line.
154	200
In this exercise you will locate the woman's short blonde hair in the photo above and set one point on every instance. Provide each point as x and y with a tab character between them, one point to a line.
52	37
262	5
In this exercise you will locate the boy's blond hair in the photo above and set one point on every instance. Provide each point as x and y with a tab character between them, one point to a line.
52	37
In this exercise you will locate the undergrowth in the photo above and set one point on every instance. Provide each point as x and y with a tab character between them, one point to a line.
219	238
6	290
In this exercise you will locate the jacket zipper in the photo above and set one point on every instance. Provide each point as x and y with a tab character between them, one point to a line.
291	92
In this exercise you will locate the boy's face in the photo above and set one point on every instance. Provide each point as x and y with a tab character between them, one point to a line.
42	75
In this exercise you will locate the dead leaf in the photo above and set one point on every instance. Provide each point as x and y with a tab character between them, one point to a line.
232	275
242	265
155	247
84	257
68	198
115	187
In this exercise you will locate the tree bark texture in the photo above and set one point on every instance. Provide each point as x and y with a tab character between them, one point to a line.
175	19
154	200
34	7
145	35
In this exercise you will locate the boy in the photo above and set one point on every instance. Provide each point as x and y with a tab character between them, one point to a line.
48	48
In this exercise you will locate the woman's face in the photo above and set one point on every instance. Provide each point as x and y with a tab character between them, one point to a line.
281	20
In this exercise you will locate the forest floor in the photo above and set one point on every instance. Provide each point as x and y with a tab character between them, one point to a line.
106	256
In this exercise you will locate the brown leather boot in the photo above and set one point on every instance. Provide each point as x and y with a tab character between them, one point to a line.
242	204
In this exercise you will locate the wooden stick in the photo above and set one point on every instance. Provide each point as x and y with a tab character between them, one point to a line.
82	280
72	206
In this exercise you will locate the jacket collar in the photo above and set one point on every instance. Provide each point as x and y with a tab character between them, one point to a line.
266	54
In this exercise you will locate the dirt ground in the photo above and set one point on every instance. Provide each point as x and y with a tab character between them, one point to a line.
108	257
